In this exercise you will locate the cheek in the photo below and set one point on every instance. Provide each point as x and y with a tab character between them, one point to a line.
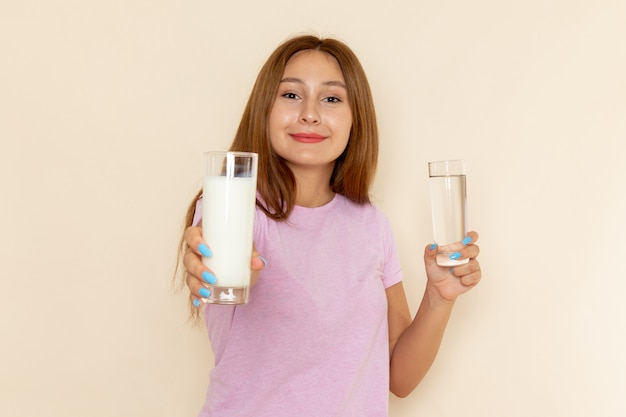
279	119
343	125
273	124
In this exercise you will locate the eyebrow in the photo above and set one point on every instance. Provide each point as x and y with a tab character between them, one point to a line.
299	81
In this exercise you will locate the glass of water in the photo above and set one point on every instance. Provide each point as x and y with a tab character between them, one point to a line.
448	199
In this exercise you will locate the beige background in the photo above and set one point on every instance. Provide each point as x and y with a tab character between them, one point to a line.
107	106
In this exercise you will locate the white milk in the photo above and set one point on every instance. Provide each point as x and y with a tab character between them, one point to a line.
448	199
227	227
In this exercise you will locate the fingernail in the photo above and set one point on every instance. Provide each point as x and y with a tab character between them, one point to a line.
196	302
455	256
209	277
467	240
263	260
204	293
204	250
433	246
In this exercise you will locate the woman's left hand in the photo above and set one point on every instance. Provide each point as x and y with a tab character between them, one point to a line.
448	283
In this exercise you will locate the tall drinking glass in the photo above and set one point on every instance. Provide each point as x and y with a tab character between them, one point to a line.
229	196
448	199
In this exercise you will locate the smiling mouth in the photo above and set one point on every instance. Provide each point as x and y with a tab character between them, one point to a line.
307	137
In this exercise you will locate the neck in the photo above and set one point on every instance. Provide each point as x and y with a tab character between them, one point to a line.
313	198
313	187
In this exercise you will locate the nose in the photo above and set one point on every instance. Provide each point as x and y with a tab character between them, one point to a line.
310	113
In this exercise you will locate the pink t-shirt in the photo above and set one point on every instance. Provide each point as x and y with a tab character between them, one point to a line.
313	339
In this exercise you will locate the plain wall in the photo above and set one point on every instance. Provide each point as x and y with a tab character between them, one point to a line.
107	106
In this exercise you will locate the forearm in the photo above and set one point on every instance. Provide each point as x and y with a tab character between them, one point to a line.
417	347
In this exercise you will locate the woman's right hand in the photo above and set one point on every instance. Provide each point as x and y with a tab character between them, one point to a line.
199	277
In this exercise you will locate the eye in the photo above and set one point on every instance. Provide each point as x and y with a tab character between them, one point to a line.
332	99
291	96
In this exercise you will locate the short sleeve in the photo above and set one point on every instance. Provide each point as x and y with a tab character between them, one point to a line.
392	270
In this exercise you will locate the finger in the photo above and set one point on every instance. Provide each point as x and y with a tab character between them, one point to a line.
471	251
193	239
471	238
430	254
471	279
468	252
196	268
257	263
200	294
469	274
197	289
471	266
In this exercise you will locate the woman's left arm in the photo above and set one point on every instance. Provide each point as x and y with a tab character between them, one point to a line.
413	344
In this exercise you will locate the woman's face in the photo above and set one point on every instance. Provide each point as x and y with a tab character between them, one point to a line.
311	119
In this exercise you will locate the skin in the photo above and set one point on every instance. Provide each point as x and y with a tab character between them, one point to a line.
309	127
310	123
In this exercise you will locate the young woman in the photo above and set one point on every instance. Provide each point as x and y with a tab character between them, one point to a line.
327	330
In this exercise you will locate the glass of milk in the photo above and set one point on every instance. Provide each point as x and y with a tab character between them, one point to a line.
229	198
448	199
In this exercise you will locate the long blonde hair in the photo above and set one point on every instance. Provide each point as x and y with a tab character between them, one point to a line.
355	168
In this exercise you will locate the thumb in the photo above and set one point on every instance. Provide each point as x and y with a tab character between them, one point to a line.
430	254
258	262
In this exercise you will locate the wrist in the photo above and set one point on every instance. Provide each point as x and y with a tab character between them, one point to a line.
437	299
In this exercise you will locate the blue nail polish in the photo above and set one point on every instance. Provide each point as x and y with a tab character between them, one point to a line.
433	246
452	271
204	293
204	250
196	303
263	260
467	240
455	256
209	277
